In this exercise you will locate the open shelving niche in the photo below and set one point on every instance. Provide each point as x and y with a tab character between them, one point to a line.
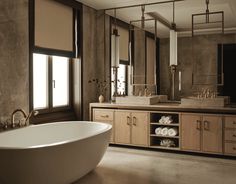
155	140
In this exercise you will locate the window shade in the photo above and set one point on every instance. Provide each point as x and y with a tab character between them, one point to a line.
53	25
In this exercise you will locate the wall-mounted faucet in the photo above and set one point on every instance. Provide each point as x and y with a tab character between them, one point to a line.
13	124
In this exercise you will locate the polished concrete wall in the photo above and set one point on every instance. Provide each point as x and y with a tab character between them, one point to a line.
14	56
197	56
95	62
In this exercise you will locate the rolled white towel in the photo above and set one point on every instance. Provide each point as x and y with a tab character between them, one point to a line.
158	131
167	143
164	131
162	120
172	132
168	120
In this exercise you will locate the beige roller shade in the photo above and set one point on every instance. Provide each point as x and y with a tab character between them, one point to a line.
124	42
151	60
53	25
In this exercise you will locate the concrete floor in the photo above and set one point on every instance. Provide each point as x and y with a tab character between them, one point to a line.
131	166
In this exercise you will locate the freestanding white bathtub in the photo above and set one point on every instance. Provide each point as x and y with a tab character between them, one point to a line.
55	153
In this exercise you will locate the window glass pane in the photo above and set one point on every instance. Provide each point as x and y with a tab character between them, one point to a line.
60	81
121	77
40	81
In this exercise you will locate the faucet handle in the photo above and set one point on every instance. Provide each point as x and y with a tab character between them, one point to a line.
21	123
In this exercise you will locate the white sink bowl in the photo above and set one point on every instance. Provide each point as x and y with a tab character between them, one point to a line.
141	100
219	101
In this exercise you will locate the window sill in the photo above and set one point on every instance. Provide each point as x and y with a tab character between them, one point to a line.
68	115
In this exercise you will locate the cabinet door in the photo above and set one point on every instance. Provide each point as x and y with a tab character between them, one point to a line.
191	132
139	134
105	116
212	134
122	127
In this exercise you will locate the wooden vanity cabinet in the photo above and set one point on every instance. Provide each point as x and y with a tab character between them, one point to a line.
131	127
201	132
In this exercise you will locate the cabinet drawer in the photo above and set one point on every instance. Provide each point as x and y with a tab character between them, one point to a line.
230	135
230	148
230	122
103	115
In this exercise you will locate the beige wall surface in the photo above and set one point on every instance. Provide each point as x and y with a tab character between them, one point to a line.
95	61
14	56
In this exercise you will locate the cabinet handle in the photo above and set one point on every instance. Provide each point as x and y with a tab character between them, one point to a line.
234	135
234	148
104	116
198	125
128	120
234	122
134	121
206	125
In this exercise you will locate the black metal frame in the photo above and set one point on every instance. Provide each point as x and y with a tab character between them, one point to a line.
207	14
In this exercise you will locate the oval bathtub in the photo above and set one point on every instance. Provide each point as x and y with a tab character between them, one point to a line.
54	153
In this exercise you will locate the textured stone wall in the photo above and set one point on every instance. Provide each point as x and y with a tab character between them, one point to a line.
198	56
95	62
14	56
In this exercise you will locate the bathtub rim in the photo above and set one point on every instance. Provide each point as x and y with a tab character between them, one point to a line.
106	129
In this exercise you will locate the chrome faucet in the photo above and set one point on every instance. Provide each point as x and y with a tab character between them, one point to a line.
33	112
13	116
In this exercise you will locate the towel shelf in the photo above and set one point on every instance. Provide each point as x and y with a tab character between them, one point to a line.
155	135
156	119
162	124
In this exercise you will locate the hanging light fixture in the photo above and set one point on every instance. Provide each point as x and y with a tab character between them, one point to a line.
173	53
143	17
173	41
173	48
115	46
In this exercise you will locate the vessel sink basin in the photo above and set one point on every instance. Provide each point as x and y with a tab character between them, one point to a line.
219	101
141	100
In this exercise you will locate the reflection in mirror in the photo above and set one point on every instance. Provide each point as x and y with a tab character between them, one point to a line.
122	66
144	61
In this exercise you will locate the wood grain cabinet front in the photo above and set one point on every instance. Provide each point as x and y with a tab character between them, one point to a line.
230	148
105	116
131	128
191	132
230	135
201	133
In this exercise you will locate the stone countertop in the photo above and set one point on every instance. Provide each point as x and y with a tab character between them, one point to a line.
168	106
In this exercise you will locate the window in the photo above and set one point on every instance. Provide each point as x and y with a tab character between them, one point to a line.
51	79
121	80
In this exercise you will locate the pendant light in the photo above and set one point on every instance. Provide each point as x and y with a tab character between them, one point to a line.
115	46
173	41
